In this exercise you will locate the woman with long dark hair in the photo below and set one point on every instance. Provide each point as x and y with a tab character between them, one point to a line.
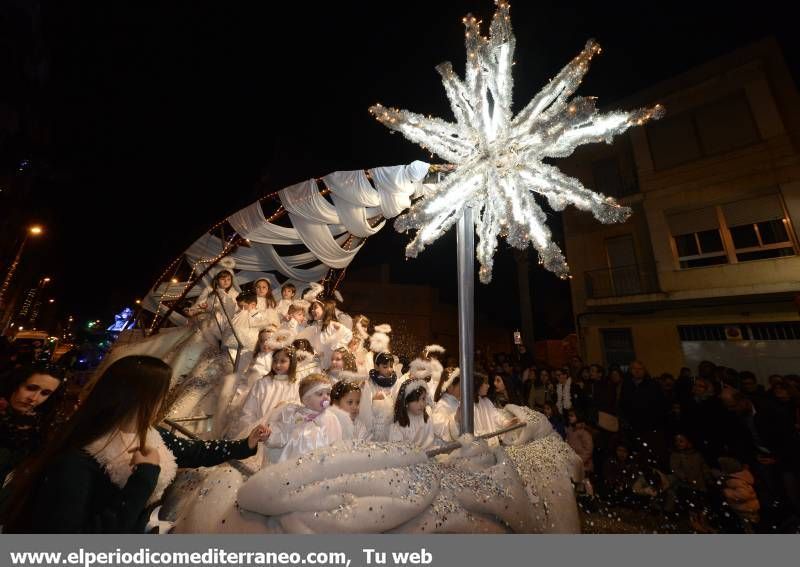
29	398
109	465
505	392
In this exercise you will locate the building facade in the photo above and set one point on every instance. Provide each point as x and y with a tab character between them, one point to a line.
708	265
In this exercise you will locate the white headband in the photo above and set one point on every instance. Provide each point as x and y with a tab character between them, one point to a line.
413	386
317	388
450	379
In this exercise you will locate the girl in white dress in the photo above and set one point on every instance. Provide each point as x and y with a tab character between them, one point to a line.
266	302
448	402
488	418
411	422
219	302
341	360
300	428
307	360
377	397
325	331
358	346
288	292
345	400
276	388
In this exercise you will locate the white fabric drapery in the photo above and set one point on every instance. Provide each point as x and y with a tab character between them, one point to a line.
320	226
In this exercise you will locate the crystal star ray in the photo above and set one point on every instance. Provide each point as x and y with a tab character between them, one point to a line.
499	158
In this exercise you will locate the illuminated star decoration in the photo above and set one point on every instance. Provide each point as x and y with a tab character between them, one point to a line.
499	158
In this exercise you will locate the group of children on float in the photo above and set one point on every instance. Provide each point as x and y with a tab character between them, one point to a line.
313	376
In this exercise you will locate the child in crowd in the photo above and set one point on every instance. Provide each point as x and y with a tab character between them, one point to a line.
219	301
266	302
300	428
247	323
357	344
580	439
276	388
288	292
411	423
619	471
341	360
378	396
554	416
345	400
488	418
448	401
327	333
307	361
297	317
690	480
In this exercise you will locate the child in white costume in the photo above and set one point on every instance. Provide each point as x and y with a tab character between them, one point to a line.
377	397
297	318
288	291
411	423
266	302
247	323
488	418
300	428
448	402
218	301
325	332
358	346
345	401
341	360
278	387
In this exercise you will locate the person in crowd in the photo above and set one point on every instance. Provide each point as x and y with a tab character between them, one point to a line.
643	411
448	402
378	395
690	481
288	292
411	422
580	439
619	473
300	428
29	400
218	297
277	388
109	465
550	410
505	391
751	389
327	333
345	401
266	305
542	391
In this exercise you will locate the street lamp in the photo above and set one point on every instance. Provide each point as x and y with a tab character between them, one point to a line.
34	231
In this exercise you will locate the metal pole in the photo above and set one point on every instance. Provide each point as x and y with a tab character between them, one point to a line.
466	315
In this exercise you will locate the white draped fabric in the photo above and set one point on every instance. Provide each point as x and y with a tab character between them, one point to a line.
317	224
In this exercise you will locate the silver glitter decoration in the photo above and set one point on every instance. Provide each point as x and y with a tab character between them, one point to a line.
499	158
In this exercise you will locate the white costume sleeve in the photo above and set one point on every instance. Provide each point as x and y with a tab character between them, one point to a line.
445	419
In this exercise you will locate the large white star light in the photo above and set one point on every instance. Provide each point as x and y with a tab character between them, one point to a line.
499	158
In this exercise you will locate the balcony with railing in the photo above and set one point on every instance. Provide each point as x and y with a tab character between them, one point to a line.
621	281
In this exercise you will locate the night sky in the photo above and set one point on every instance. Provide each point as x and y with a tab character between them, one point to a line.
164	117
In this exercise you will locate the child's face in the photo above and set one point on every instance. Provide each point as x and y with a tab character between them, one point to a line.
337	361
385	370
249	306
499	386
287	293
299	316
317	401
548	411
418	406
350	403
225	281
316	311
484	389
262	288
280	364
681	443
263	340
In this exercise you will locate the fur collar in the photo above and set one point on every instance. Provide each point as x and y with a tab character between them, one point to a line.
111	453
